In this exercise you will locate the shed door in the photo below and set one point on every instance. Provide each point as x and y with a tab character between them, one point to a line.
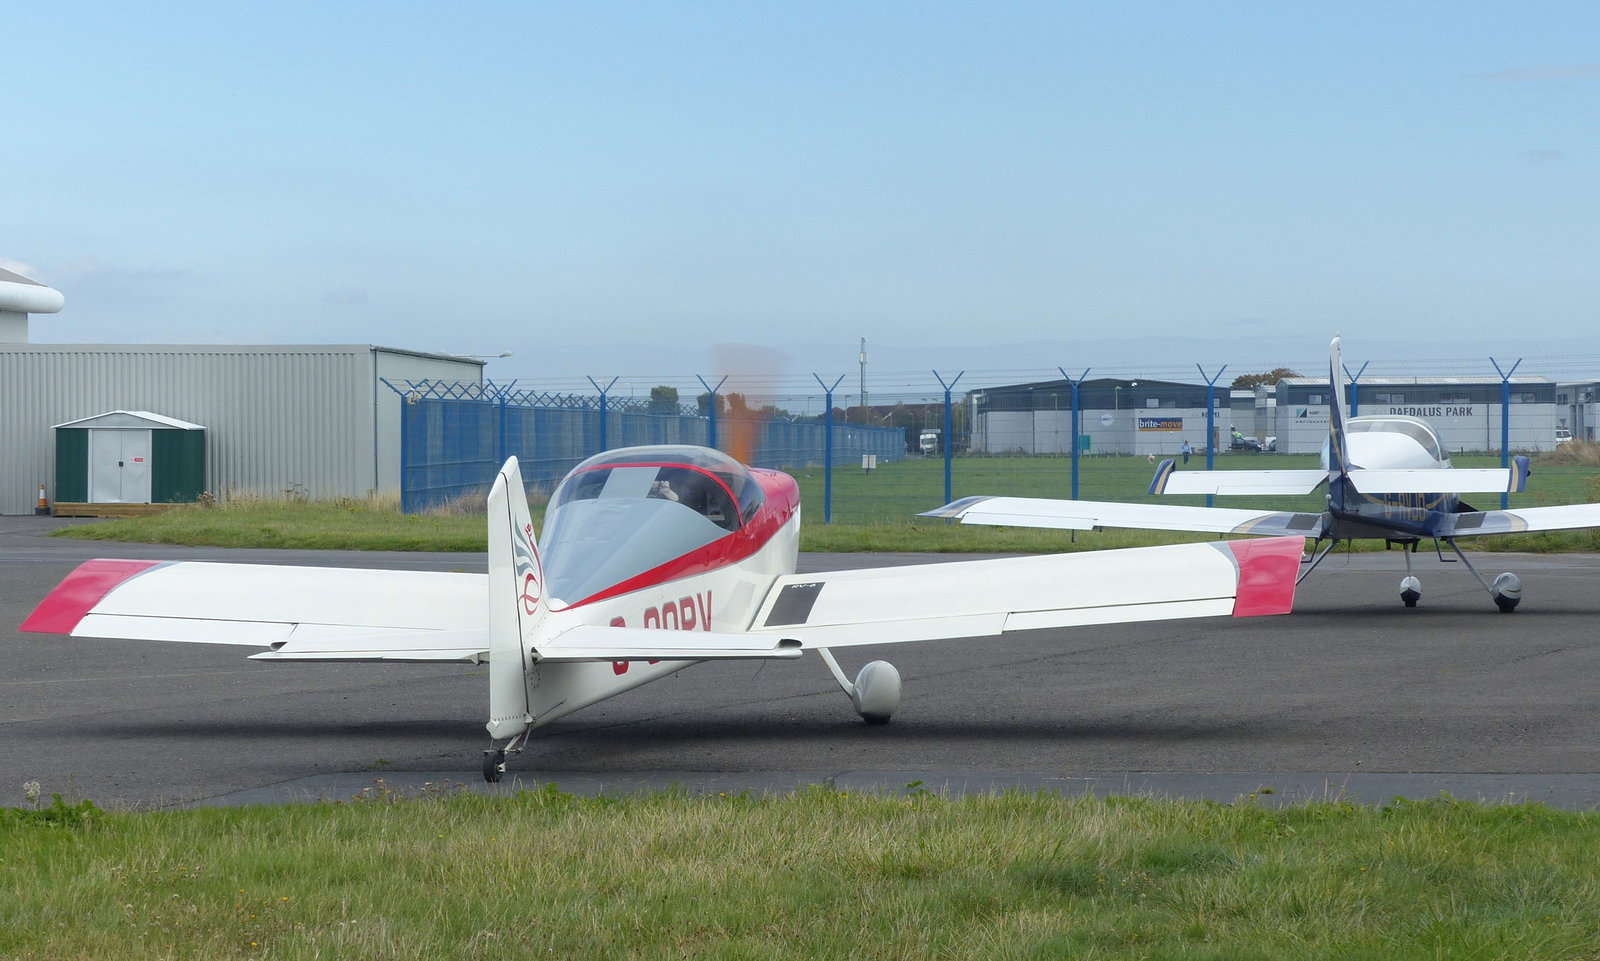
119	466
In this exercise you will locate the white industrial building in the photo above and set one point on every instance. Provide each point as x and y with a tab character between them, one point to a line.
1143	417
1138	417
312	420
1465	411
1578	409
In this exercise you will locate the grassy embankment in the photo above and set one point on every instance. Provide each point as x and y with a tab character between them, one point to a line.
821	874
871	512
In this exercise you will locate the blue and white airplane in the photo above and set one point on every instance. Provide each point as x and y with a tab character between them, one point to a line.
1384	477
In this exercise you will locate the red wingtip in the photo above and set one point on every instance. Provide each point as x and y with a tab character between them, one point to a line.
64	607
1267	571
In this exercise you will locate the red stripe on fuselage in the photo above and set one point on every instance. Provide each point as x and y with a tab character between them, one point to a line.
1267	570
64	607
780	500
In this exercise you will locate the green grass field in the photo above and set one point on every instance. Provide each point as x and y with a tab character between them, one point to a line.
821	874
870	511
895	490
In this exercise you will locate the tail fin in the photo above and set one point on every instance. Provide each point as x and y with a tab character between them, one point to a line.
1338	459
517	605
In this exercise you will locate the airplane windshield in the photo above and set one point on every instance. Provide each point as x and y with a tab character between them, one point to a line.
621	513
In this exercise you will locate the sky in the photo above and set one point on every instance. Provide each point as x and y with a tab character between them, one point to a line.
618	190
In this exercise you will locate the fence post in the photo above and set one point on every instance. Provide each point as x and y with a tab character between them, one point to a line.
502	432
711	420
947	431
1505	420
377	480
1355	389
1211	418
602	391
827	446
1075	443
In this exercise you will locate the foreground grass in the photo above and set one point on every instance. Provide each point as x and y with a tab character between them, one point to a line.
819	875
870	512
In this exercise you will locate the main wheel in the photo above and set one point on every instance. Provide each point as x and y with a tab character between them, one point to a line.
494	765
1410	591
1507	592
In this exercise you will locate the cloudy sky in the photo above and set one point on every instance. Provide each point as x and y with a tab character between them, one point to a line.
613	189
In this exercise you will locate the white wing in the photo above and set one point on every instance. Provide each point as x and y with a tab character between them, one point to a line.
301	613
979	598
1559	518
1088	515
332	614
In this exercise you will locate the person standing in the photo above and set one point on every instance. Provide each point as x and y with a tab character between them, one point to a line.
1186	450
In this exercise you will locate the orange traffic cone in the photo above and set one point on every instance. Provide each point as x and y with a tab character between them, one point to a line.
44	505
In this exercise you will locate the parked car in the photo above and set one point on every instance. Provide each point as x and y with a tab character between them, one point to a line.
1241	442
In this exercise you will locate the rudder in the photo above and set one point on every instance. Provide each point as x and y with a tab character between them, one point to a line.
517	605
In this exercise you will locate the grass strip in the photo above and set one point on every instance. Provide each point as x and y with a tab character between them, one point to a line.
871	512
818	874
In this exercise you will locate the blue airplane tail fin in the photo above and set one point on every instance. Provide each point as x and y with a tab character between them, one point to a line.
1337	457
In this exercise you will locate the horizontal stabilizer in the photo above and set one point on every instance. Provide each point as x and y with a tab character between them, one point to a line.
1261	482
1487	480
589	643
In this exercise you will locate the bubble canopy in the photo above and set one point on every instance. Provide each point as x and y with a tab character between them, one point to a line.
622	513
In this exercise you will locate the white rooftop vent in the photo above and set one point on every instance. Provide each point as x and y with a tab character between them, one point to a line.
20	297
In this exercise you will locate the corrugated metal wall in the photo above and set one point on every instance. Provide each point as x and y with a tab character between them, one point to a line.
278	419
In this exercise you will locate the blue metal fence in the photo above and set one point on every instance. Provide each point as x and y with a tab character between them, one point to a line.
453	437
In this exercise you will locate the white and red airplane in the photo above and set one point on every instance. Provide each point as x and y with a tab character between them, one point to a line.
651	559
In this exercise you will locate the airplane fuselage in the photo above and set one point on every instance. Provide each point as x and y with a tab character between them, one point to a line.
686	585
1387	443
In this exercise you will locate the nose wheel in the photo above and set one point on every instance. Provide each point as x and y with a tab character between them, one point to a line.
1410	590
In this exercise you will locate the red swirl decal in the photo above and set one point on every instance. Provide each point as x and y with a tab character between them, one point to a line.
530	593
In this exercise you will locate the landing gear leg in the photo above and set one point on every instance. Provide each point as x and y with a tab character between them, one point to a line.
1506	589
1410	587
1315	559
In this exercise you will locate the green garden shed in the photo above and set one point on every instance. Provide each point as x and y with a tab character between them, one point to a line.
129	457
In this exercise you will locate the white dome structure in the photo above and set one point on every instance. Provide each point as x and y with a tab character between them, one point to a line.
20	297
